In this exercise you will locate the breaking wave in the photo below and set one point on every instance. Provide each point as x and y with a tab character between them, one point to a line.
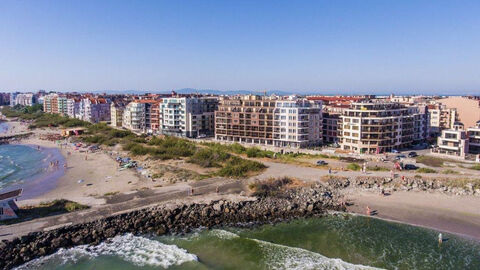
284	257
137	250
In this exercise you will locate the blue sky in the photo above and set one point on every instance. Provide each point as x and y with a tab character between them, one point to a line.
301	46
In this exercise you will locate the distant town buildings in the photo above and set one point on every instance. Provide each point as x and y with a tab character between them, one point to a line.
358	124
23	99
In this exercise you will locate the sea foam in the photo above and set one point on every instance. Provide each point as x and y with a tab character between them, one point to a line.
285	257
137	250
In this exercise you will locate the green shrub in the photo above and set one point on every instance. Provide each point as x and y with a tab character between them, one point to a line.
475	167
353	167
450	171
207	157
426	170
430	161
378	169
238	167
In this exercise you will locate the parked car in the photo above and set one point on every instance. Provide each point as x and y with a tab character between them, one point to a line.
412	154
398	157
321	162
410	167
394	151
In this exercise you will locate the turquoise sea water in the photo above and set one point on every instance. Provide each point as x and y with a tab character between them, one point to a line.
24	166
334	242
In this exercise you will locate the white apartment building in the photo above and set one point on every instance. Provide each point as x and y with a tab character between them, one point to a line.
73	107
187	116
134	117
24	99
453	142
297	123
377	126
94	110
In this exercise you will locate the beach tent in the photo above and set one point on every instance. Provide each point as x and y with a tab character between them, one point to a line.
8	207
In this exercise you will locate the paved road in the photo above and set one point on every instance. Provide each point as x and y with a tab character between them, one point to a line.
125	203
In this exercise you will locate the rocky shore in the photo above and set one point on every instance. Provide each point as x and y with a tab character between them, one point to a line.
293	203
444	186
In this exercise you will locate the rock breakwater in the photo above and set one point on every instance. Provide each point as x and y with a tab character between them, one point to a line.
162	219
451	186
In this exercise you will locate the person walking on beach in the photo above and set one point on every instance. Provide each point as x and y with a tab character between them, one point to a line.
368	211
329	170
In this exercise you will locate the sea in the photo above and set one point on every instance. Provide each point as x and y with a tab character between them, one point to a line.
27	167
342	241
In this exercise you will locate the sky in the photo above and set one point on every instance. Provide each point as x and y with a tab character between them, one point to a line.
334	47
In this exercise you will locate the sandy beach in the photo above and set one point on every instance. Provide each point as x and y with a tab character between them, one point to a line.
87	176
455	214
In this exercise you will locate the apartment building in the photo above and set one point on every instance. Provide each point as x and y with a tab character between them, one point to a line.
23	99
187	116
331	121
4	99
51	104
453	142
116	113
13	97
269	120
134	117
440	118
94	109
297	123
474	138
73	107
377	126
62	105
245	119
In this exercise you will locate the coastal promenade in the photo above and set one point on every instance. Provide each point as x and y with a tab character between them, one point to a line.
203	192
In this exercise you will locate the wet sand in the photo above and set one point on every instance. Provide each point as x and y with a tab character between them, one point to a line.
454	214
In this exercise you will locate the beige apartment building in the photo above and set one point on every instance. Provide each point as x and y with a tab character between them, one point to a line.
116	114
441	117
271	120
377	126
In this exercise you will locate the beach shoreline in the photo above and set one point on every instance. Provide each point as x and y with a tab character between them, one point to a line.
459	215
86	178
